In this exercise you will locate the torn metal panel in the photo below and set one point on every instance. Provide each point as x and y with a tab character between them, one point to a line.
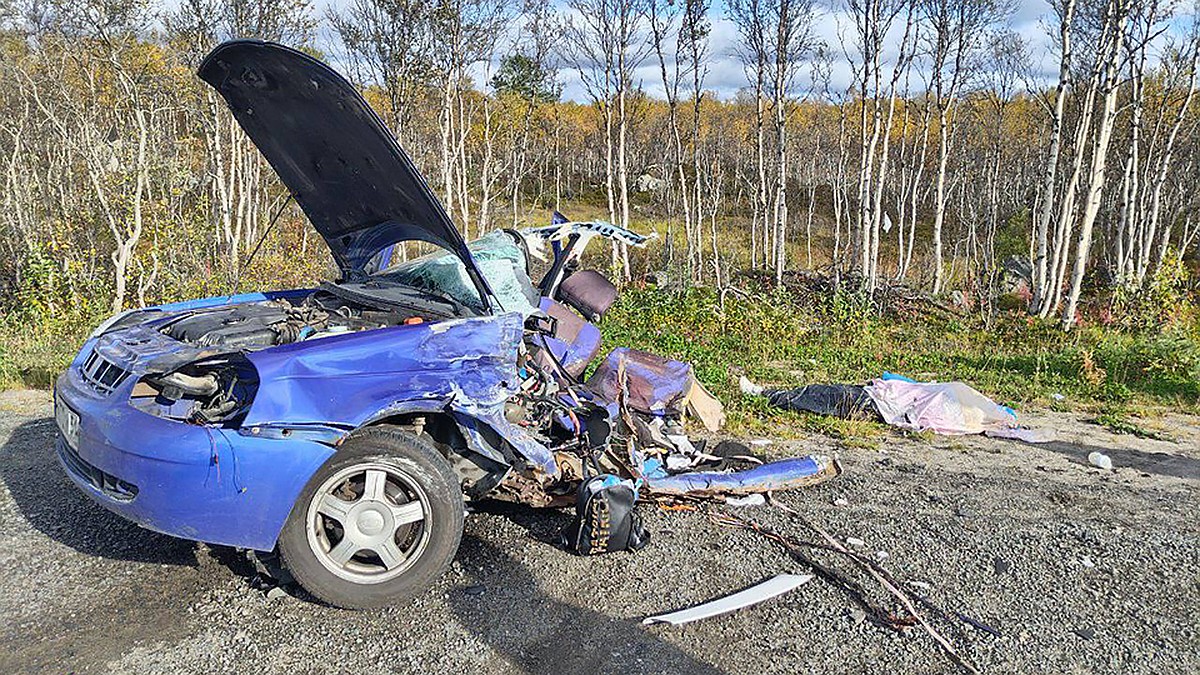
353	377
771	588
785	474
464	366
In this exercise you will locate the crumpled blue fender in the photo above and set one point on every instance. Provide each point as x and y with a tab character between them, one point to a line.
464	366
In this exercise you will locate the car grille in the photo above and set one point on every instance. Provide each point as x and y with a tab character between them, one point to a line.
105	482
101	374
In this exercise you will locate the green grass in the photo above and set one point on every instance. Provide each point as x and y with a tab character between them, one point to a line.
1118	422
33	356
780	340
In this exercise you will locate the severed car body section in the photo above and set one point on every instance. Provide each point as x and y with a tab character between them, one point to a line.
344	425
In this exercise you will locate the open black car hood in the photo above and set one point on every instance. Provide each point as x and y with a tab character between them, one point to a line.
346	170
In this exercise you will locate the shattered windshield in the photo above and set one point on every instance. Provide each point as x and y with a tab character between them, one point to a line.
499	258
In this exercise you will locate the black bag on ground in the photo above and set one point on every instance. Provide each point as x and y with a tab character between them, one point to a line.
847	401
605	519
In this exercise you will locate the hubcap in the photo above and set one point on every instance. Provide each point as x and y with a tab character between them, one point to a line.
368	523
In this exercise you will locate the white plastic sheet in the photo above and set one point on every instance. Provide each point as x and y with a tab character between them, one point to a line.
942	407
768	589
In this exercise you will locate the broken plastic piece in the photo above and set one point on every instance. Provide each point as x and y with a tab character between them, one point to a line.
1100	461
756	499
766	590
705	407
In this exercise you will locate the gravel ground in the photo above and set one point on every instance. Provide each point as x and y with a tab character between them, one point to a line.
1079	571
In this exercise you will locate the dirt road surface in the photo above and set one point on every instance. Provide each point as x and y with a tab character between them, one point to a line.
1078	570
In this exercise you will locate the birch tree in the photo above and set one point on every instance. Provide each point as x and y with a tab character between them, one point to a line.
1115	20
606	43
955	30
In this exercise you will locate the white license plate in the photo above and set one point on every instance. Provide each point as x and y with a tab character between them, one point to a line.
68	422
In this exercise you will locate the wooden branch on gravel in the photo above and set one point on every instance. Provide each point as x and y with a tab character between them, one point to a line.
832	544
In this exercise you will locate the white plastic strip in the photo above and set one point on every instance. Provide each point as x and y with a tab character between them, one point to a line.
768	589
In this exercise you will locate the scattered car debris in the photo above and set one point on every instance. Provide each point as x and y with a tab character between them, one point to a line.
976	623
1100	460
748	500
948	408
766	590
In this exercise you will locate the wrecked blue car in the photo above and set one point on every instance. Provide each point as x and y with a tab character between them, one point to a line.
343	426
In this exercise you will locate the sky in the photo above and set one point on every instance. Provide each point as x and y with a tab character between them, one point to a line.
726	75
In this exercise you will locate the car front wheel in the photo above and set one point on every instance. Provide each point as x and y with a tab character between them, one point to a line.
377	523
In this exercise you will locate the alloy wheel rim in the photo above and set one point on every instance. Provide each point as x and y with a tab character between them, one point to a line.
368	523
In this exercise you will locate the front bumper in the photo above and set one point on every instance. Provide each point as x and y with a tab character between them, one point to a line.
194	482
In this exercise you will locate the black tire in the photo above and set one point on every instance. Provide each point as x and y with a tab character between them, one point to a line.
398	451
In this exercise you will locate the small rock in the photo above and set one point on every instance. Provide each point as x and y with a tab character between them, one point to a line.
1100	461
476	590
854	541
882	555
1087	562
276	593
1085	633
1058	397
841	501
858	616
1000	565
760	442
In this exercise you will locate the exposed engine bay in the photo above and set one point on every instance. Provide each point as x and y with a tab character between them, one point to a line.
257	325
220	387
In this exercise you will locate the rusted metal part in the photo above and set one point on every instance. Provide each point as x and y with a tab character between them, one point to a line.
523	489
